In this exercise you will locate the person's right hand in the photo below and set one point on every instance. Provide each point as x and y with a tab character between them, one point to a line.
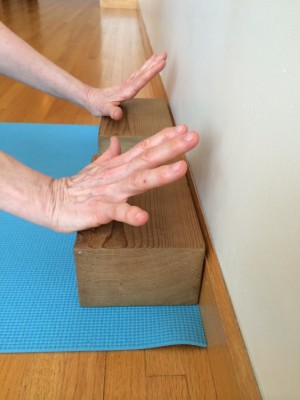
106	101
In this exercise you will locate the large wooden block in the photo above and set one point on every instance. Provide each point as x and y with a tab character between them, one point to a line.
158	263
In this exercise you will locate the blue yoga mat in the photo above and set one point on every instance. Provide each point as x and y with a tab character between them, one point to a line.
39	308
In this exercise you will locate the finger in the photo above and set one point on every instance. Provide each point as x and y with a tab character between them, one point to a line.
165	152
118	168
153	61
149	63
114	111
113	151
157	60
95	168
142	76
123	212
117	114
141	181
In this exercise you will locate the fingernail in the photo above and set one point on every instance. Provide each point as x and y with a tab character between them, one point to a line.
189	137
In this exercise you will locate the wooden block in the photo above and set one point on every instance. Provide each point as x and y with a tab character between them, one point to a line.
158	263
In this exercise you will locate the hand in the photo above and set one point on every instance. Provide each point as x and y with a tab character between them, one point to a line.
98	194
105	102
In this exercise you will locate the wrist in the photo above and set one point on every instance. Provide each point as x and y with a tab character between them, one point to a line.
82	95
89	96
24	192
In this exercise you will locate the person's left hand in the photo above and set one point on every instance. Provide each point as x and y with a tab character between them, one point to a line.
99	193
105	102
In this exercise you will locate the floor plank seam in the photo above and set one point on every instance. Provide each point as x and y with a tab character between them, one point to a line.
104	378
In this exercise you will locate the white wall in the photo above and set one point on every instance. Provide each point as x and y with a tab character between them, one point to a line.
233	74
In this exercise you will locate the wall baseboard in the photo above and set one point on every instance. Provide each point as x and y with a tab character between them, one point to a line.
229	361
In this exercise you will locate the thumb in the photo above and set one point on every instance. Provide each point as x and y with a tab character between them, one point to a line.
114	112
124	212
113	151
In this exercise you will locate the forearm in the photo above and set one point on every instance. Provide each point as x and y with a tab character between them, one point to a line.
25	192
21	62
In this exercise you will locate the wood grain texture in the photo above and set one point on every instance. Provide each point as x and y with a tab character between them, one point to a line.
52	376
125	376
167	387
141	117
118	264
118	277
167	361
183	361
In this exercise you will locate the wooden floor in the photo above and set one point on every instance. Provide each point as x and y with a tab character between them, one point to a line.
101	47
